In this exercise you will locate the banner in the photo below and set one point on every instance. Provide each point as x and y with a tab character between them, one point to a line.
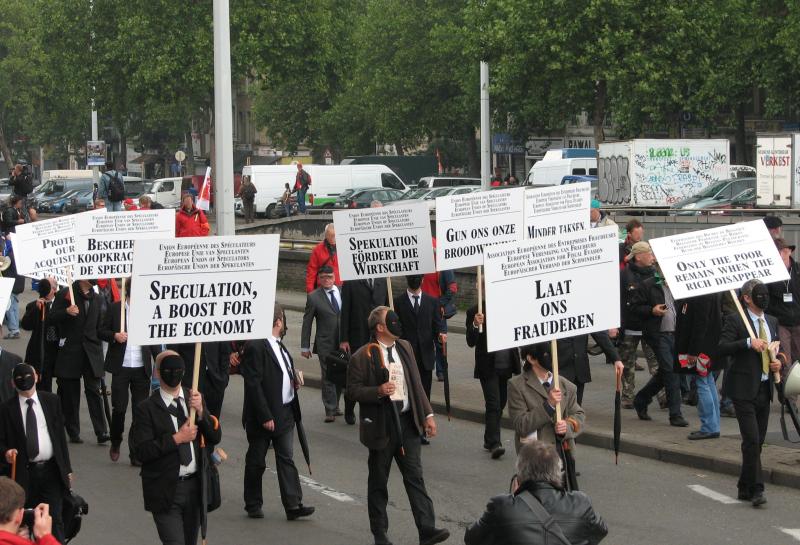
551	288
466	223
204	198
203	289
45	248
6	285
104	242
383	242
719	259
95	153
557	210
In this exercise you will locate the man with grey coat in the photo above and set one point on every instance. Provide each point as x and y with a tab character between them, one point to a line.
324	305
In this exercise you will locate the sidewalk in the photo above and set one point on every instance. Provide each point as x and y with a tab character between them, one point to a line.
655	439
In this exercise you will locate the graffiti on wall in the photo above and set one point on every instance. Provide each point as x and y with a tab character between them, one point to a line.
614	183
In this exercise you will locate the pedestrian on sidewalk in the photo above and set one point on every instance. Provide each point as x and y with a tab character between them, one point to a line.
302	182
493	369
111	188
750	382
697	331
323	254
247	192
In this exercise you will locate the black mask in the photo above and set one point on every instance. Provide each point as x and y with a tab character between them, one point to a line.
414	282
393	323
545	360
171	370
24	377
760	296
44	288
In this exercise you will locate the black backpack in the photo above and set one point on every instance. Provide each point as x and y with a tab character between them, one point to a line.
116	187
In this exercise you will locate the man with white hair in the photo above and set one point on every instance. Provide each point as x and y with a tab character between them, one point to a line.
323	254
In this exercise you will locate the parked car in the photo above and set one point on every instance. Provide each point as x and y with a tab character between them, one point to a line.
718	197
80	201
574	179
430	197
54	204
446	181
362	198
56	187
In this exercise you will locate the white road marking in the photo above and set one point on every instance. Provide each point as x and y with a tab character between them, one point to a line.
716	496
794	532
322	489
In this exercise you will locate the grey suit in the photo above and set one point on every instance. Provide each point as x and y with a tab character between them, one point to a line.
326	339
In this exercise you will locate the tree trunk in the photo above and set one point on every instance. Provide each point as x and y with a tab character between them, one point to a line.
472	152
600	93
741	138
398	148
5	150
123	151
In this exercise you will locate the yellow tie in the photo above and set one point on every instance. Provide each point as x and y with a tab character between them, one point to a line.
762	334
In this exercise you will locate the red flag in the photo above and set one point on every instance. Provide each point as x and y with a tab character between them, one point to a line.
204	199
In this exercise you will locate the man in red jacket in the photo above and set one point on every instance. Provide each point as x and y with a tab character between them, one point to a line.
190	221
323	254
12	501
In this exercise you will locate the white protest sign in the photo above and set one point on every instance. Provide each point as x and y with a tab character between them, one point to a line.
104	242
203	289
6	285
557	210
550	288
718	259
45	248
382	242
466	223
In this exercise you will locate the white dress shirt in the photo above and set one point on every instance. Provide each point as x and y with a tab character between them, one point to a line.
45	444
133	352
411	296
336	295
398	359
754	318
168	399
283	360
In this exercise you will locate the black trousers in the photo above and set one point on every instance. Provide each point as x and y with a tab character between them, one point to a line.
214	395
180	524
255	464
664	347
495	395
410	464
69	391
128	379
45	486
427	380
753	417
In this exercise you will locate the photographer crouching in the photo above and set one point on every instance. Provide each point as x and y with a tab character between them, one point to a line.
17	524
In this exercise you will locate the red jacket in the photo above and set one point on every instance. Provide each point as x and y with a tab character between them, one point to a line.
191	224
321	256
7	538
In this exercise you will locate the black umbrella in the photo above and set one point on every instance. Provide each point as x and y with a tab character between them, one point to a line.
106	406
568	463
301	432
446	374
42	336
617	416
204	461
376	358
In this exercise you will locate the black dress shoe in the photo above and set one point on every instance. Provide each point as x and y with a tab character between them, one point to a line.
424	440
103	439
744	496
255	514
381	539
113	453
641	411
350	418
678	421
697	435
76	439
299	511
431	536
758	499
497	452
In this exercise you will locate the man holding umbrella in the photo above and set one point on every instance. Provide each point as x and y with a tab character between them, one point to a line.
271	410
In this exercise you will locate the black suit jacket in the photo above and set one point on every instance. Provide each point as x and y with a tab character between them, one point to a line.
80	332
12	435
8	360
422	328
745	371
698	327
573	356
358	300
115	355
32	321
151	438
263	390
484	360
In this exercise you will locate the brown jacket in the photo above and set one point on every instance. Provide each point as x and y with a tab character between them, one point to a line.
363	380
526	407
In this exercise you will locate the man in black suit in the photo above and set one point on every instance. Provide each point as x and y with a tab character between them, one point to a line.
167	444
422	324
271	408
750	382
81	356
131	367
8	360
359	297
32	436
43	345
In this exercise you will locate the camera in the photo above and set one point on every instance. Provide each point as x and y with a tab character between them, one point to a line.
28	518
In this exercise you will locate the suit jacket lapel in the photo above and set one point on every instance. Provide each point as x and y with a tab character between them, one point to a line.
533	382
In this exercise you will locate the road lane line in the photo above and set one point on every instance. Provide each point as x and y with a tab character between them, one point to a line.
716	496
322	489
794	532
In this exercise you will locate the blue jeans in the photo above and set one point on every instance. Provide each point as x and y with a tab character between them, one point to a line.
664	348
707	403
12	314
114	206
288	208
301	200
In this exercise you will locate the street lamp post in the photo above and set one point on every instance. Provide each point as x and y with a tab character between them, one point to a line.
223	123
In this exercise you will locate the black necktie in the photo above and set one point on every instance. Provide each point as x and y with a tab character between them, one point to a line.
31	432
334	303
416	303
286	363
390	353
184	450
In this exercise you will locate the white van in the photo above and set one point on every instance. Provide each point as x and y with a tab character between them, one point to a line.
327	182
562	162
166	191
